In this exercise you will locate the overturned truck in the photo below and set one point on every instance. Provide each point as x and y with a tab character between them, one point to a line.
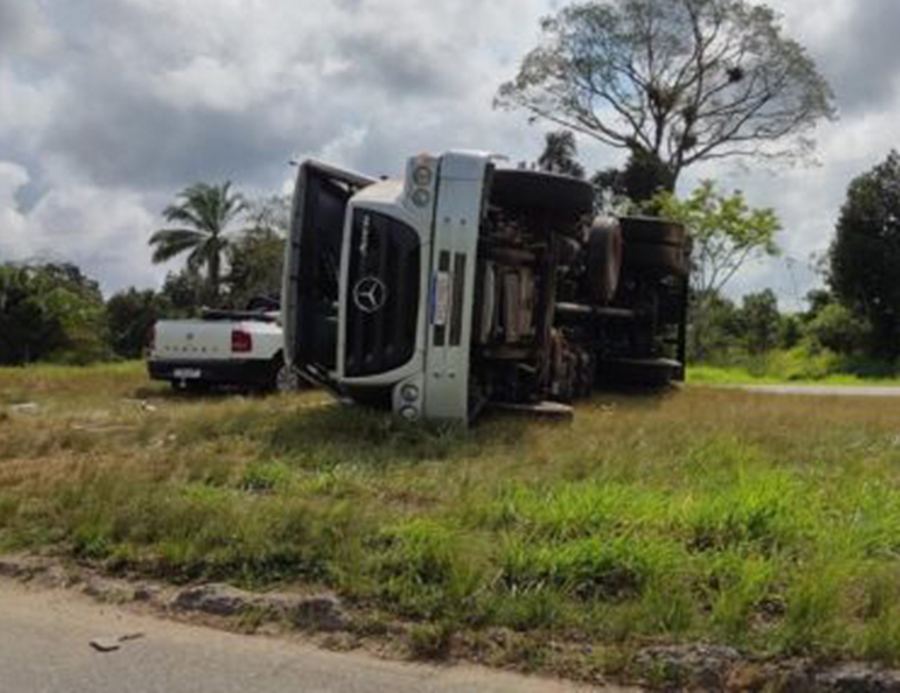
465	285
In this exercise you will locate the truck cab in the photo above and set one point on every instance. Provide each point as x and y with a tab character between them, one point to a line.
464	284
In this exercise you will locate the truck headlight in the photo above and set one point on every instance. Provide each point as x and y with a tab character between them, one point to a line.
409	413
410	393
421	197
422	176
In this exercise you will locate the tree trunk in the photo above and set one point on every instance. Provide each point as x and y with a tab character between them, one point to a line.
213	279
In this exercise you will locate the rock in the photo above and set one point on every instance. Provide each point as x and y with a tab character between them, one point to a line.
56	577
703	667
216	599
317	612
323	612
116	591
858	678
747	677
146	593
22	567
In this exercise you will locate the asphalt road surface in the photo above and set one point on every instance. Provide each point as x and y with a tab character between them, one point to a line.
45	638
824	390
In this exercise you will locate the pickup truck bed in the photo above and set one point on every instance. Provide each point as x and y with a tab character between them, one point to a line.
240	349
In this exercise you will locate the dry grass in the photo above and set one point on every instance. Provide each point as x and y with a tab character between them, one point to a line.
768	523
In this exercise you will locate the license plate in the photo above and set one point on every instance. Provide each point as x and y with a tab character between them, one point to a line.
441	299
186	373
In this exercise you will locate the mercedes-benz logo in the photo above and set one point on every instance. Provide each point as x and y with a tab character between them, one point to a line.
369	294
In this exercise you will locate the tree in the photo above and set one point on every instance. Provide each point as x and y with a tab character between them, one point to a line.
673	82
864	256
50	311
182	293
256	261
131	314
559	155
721	333
272	213
725	234
204	214
257	257
760	321
839	329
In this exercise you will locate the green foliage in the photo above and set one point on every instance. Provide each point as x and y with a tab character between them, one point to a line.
50	312
760	321
839	329
131	314
560	154
725	234
203	214
706	515
256	260
865	254
182	293
674	82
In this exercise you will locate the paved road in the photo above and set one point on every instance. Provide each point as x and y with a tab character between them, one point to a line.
824	390
44	648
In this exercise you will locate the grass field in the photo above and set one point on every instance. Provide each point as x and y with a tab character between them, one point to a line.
720	375
772	524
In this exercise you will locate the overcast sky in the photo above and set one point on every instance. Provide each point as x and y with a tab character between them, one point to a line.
109	107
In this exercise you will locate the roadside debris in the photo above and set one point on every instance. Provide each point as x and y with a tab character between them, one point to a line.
25	408
113	644
105	644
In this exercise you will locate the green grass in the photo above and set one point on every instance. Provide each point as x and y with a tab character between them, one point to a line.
737	375
770	524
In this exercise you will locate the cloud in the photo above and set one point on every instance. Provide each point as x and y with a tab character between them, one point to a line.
22	28
108	108
101	230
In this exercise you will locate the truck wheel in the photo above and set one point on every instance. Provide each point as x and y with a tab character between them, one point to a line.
564	199
666	259
287	379
652	230
604	259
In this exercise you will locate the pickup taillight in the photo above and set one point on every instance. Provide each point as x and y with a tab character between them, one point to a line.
241	342
151	338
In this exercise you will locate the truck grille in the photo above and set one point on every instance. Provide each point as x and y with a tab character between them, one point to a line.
383	295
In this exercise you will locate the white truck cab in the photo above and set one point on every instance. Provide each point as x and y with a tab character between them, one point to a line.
462	284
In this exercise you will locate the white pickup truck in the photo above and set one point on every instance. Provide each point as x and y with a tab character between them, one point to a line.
228	348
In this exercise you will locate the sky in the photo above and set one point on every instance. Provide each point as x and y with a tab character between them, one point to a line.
109	107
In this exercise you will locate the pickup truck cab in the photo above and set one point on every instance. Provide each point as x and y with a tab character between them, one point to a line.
464	284
232	348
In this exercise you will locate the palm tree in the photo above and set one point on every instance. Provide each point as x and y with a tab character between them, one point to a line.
203	213
559	154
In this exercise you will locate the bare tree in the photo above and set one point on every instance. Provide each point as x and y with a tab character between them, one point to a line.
674	81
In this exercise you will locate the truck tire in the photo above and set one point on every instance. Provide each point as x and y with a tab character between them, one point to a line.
604	260
562	198
652	230
661	258
288	379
